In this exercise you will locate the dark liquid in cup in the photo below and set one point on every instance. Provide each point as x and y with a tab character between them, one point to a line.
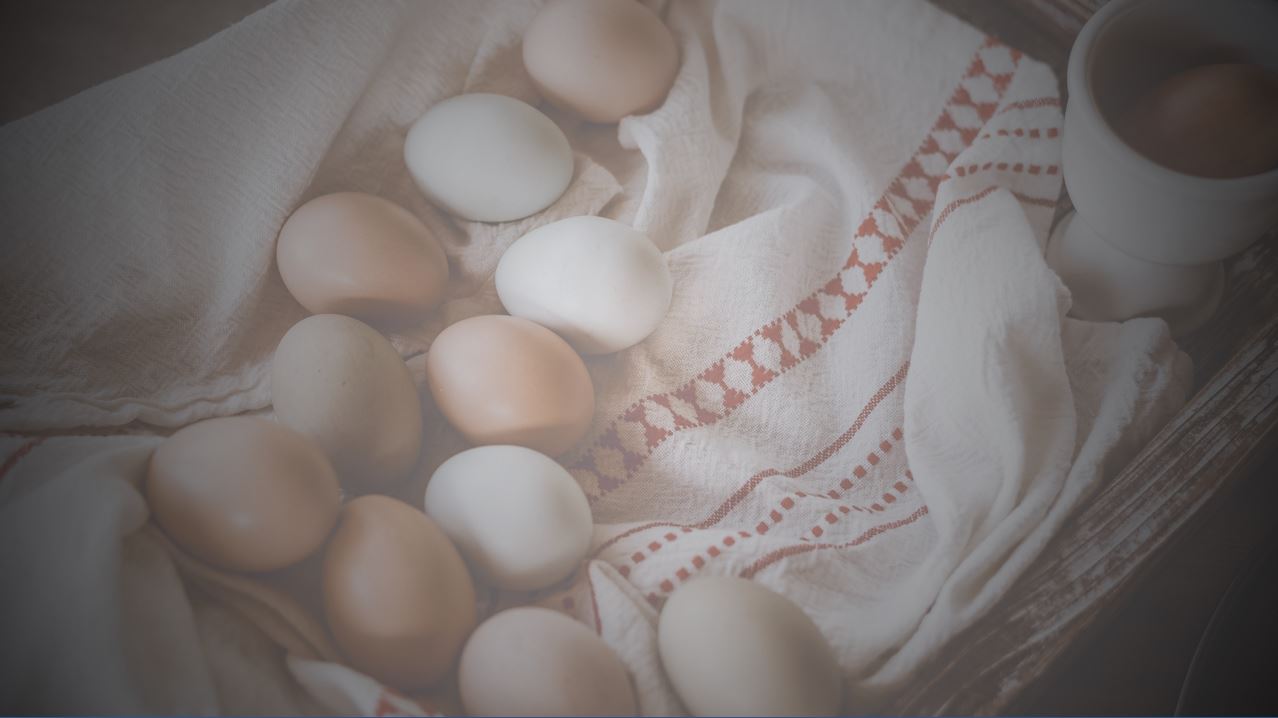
1218	120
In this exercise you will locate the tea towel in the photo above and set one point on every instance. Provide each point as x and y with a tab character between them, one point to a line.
866	395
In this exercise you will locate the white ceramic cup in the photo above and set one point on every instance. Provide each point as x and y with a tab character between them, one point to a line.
1174	227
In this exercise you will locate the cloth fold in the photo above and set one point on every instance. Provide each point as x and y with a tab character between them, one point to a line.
866	395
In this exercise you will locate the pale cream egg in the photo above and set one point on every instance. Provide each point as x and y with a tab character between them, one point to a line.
338	381
733	647
534	661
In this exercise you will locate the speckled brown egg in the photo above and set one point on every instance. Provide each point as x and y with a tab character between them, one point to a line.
506	380
397	595
243	493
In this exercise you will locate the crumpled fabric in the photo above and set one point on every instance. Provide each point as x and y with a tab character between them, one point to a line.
866	396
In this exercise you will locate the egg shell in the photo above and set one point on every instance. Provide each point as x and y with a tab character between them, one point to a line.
1218	120
488	158
397	595
243	493
596	282
732	647
506	380
519	518
602	59
535	661
338	381
363	256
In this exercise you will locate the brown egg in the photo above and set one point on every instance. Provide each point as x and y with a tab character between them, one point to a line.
603	59
535	661
338	381
1212	121
397	594
243	493
363	256
506	380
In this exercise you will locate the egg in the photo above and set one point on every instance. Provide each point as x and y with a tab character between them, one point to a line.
397	595
602	59
363	256
518	518
535	661
598	283
732	647
1216	120
243	493
488	158
338	381
506	380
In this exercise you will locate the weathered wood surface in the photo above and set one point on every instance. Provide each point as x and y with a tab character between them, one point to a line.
1198	456
1251	299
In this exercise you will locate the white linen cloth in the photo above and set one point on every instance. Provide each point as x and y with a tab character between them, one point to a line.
866	395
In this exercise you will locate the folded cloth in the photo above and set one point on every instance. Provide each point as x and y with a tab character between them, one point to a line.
866	395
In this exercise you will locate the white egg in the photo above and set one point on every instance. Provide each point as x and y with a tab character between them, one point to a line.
488	158
596	282
518	518
732	647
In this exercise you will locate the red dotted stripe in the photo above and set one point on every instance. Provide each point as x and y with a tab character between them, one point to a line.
807	547
653	547
889	497
657	600
1015	167
815	461
1032	133
777	515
